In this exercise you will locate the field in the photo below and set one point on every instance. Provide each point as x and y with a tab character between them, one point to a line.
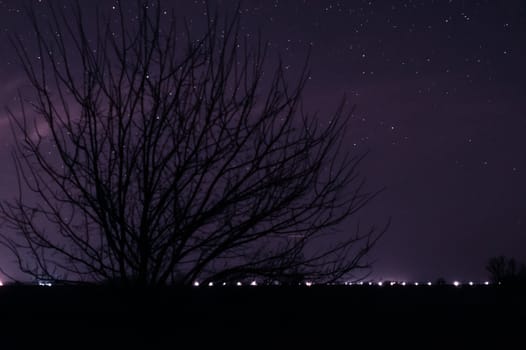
160	318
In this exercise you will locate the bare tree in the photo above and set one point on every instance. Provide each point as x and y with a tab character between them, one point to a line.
150	157
508	271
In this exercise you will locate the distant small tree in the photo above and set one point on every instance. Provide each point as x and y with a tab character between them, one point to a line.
441	281
507	271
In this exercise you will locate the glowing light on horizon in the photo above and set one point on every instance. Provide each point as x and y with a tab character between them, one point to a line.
380	284
470	283
456	283
429	283
239	284
486	283
308	283
196	284
210	284
253	283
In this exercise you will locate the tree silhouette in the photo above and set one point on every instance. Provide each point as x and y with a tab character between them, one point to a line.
506	271
148	157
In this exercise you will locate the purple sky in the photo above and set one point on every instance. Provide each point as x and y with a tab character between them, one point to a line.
440	92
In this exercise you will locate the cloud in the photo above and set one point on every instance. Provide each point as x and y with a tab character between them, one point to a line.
4	126
8	93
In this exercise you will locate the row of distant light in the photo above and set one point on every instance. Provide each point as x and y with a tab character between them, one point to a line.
239	284
308	284
455	283
380	284
42	284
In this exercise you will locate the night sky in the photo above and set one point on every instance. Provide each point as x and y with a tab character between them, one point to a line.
439	87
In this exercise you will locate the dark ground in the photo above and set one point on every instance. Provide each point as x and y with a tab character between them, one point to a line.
273	317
